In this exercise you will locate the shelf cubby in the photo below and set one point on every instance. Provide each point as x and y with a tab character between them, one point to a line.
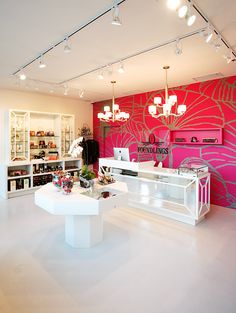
200	136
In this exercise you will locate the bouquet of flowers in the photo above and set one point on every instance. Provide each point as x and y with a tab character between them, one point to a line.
56	179
67	183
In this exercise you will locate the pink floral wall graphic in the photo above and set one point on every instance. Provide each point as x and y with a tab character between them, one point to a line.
210	104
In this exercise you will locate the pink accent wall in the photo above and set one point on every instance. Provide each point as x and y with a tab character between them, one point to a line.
210	104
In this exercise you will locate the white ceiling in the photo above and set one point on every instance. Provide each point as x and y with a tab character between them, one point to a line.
29	28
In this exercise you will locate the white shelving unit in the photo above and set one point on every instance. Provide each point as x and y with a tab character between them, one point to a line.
31	132
37	173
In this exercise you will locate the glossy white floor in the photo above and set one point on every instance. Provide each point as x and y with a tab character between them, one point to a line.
146	264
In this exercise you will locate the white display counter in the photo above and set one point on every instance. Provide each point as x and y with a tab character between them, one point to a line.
184	197
83	210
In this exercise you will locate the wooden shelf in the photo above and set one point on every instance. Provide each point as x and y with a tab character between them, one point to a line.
203	136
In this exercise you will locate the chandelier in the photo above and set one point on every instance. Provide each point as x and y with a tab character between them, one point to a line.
170	101
113	114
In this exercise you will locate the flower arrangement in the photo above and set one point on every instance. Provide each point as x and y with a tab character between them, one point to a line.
86	176
63	181
67	183
56	179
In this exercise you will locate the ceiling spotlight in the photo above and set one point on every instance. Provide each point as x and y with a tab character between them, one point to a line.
182	11
178	47
67	48
81	93
41	62
217	43
121	68
22	75
116	16
173	4
191	18
209	34
100	75
66	88
230	57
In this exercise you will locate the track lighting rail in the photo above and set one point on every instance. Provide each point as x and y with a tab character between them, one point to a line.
70	35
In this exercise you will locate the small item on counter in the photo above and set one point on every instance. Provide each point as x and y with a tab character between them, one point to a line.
105	194
32	133
67	183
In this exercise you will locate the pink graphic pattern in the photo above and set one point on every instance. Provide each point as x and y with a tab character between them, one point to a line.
210	104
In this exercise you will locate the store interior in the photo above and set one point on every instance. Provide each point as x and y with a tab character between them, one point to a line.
118	151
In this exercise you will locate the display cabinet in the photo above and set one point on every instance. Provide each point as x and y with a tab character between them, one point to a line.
19	135
67	133
181	196
37	145
45	135
34	135
25	177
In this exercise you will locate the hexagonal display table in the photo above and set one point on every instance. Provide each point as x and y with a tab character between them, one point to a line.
83	210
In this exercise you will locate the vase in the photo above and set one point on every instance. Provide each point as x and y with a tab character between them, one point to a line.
67	184
56	179
85	183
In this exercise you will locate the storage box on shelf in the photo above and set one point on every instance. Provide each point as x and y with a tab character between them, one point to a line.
200	136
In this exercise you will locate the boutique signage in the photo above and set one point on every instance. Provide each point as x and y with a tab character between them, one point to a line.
153	146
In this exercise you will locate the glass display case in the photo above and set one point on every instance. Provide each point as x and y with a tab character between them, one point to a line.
19	135
67	134
192	169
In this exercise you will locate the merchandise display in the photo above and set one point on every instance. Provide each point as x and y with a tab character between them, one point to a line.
183	196
192	169
33	132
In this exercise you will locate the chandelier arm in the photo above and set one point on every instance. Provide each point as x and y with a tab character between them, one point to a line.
162	114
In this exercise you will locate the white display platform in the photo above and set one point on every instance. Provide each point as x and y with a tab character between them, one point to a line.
163	191
82	210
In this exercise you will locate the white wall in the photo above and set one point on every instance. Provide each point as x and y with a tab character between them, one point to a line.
12	99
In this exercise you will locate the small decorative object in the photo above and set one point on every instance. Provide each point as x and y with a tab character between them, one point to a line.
105	178
67	183
180	140
84	131
56	179
194	139
40	133
210	140
32	133
105	194
75	148
86	177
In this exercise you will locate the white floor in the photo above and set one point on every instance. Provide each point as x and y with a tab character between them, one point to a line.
146	264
